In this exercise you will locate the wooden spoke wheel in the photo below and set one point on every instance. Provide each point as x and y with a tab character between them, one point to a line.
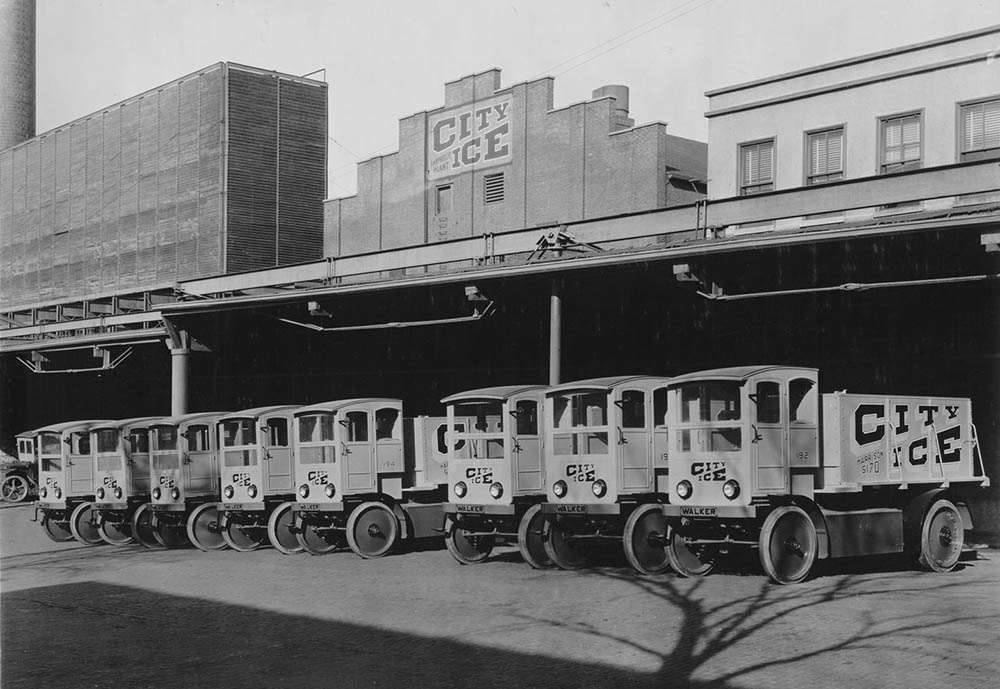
56	529
83	524
320	539
645	540
372	530
564	550
686	558
529	538
142	527
15	488
279	530
115	530
469	550
942	535
203	528
788	544
244	537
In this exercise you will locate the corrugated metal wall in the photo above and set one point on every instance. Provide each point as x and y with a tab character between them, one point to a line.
132	197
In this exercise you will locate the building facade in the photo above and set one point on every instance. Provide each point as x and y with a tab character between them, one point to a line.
924	105
494	159
218	172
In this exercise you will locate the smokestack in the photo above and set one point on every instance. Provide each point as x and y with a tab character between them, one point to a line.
620	119
17	72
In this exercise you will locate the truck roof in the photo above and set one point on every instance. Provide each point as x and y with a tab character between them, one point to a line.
122	423
184	418
605	383
258	411
336	405
68	425
737	373
499	392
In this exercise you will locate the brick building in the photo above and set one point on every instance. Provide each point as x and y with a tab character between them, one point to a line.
494	159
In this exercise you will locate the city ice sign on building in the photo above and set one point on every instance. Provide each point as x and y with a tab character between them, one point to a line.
476	135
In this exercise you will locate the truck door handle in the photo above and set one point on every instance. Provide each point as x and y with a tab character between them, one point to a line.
756	434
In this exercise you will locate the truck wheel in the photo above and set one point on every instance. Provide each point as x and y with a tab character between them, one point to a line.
15	488
372	530
203	528
688	559
564	550
244	537
529	539
115	532
941	537
83	524
788	544
142	527
319	539
57	530
279	530
644	540
171	534
469	550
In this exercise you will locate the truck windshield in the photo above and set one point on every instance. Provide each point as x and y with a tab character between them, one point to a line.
483	429
239	432
576	411
710	417
316	428
166	437
107	440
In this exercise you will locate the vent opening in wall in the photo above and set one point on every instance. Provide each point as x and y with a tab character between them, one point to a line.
493	188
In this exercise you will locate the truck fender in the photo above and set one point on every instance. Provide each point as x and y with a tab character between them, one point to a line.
913	517
819	521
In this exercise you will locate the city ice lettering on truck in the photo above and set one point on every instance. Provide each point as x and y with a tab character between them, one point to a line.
318	477
916	433
475	135
241	479
581	472
709	471
479	474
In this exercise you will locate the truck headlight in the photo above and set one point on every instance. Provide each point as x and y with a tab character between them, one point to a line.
304	491
496	490
461	489
684	490
157	493
252	491
58	492
175	493
118	493
228	492
100	493
330	490
599	487
731	489
44	492
559	489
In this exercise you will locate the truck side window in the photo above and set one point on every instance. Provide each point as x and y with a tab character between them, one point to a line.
660	407
633	406
277	432
357	426
802	400
385	423
197	438
768	401
526	413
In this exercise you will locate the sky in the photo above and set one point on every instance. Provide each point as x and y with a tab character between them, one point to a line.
387	59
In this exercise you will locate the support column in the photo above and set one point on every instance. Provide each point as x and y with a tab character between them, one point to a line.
179	344
555	333
179	379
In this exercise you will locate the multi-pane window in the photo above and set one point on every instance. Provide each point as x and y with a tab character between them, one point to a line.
825	156
757	167
980	130
901	143
493	188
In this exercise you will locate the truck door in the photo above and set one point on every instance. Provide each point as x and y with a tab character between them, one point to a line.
356	446
660	440
199	461
136	447
277	464
634	440
769	435
526	445
81	464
